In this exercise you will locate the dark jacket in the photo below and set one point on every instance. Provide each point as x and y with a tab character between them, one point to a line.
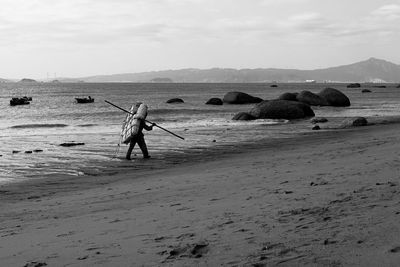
143	125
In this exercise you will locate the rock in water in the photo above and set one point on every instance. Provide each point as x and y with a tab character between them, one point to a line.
35	264
334	97
354	85
240	98
360	121
71	144
316	127
214	101
281	109
175	100
311	99
243	116
365	91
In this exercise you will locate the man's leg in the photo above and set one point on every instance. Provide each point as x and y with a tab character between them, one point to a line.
131	146
143	146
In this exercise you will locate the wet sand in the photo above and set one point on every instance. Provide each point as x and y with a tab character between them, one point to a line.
322	199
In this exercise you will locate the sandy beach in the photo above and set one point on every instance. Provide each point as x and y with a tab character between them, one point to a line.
322	199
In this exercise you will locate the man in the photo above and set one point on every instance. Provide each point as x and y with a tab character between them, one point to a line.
139	138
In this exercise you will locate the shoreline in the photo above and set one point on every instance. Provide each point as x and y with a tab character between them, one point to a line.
188	156
138	166
325	198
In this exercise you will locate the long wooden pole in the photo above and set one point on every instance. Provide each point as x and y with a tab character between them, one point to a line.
174	134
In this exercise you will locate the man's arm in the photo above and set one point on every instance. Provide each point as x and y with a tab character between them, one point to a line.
147	127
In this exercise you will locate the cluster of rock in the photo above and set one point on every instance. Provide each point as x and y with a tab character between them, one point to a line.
287	106
28	151
326	97
349	122
295	105
229	98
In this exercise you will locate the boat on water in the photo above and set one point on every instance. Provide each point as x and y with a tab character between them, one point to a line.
15	101
84	100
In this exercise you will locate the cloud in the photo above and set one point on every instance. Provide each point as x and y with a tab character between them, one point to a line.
388	11
308	22
54	22
380	25
179	27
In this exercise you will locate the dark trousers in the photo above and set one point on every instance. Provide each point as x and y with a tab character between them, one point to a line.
139	139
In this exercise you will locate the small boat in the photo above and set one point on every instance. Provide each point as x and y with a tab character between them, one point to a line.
15	101
84	100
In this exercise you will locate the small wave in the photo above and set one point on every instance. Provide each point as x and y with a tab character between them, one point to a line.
39	125
207	123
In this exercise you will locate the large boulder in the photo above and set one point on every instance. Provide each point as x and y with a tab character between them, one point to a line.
311	99
281	109
334	97
240	98
243	116
288	96
214	101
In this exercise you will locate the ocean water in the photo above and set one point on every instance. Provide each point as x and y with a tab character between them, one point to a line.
53	118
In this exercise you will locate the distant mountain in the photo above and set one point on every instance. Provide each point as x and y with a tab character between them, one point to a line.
371	70
4	80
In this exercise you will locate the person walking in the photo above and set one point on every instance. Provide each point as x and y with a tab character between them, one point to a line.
139	138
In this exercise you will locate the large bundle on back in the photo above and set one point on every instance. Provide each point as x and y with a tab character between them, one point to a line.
131	124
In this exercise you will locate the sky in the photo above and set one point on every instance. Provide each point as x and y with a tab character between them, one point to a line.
78	38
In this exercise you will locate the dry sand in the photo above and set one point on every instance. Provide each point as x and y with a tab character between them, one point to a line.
323	199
